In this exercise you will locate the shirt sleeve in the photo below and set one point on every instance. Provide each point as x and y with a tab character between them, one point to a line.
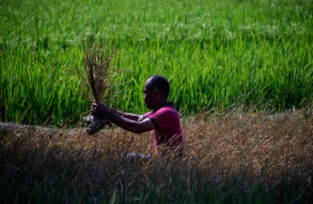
162	118
146	115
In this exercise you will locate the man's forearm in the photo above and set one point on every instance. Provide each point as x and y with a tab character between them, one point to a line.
126	123
130	116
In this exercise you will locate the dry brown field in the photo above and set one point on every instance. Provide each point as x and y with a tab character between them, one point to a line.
233	154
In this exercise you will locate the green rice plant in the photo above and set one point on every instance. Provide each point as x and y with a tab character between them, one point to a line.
216	54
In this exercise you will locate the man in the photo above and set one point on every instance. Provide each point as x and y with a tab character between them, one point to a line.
163	120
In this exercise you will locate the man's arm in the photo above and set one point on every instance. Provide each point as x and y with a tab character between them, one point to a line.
128	123
130	116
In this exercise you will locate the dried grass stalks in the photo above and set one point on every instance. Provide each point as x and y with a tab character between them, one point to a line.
97	66
234	154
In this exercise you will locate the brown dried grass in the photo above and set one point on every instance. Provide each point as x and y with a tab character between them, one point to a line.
97	68
236	150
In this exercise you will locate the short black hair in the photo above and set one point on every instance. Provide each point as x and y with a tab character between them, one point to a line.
161	83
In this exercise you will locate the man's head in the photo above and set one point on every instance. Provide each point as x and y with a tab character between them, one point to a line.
156	91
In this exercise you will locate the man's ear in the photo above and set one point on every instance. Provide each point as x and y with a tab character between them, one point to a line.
156	92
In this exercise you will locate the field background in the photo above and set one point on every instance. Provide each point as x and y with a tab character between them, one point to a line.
216	55
241	76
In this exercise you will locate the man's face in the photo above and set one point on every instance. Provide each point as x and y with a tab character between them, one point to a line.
149	95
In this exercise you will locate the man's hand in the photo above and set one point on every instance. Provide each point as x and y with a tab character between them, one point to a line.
136	126
99	110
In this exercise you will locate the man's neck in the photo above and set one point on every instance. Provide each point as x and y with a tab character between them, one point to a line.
162	105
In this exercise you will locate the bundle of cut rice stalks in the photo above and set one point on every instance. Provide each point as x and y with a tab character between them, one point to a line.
97	65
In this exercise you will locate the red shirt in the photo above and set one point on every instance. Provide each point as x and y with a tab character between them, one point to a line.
167	127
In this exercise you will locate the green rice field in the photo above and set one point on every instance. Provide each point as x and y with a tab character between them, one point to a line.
216	54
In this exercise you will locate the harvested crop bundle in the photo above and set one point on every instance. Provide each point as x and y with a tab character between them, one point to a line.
97	64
